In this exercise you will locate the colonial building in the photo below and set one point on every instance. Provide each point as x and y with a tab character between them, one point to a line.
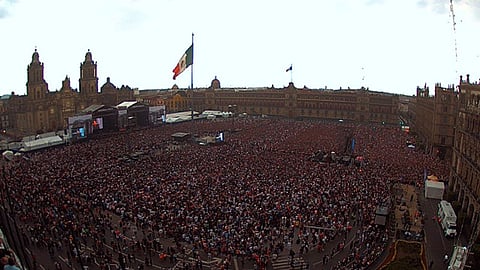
41	110
404	108
173	99
350	105
434	119
4	117
465	173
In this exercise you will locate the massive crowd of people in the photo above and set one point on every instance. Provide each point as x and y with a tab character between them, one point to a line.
254	197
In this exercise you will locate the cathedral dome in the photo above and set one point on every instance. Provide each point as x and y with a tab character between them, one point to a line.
108	86
215	83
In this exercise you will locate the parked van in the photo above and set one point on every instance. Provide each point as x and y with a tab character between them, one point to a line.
447	218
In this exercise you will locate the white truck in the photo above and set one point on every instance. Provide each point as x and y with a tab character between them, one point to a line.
447	218
459	258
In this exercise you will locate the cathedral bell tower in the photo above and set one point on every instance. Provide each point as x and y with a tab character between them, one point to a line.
37	88
88	76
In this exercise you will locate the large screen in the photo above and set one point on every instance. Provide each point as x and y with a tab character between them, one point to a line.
220	137
97	123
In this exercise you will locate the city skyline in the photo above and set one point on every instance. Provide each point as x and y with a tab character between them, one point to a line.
384	45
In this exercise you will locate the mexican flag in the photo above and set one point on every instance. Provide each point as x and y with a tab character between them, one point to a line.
185	61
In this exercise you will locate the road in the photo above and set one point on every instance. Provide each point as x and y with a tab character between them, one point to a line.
436	244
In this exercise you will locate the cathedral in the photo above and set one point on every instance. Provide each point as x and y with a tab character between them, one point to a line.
42	110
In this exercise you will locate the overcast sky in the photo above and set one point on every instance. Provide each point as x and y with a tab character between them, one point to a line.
385	45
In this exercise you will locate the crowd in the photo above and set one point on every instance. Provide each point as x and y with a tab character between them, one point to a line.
129	196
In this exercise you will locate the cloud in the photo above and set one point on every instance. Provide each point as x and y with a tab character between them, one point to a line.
443	6
437	6
129	15
473	6
5	6
374	2
130	18
422	3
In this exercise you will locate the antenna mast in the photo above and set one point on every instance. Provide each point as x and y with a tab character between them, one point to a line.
454	24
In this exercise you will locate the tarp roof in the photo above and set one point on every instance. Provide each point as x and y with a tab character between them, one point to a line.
179	116
180	134
42	143
92	108
382	210
8	154
435	184
126	104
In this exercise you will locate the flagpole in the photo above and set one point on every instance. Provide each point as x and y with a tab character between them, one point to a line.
191	82
191	68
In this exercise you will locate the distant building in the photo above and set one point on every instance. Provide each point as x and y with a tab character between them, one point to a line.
434	120
4	114
173	99
41	110
403	102
405	108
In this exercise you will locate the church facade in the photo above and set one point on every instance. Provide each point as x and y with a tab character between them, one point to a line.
42	110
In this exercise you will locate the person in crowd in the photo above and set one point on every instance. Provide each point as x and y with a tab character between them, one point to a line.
11	265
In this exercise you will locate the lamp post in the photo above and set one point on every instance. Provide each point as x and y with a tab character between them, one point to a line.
130	124
232	109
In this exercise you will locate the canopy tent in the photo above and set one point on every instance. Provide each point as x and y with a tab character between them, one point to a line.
180	117
180	136
381	213
434	189
41	143
8	154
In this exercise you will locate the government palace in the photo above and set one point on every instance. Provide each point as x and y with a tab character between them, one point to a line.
445	123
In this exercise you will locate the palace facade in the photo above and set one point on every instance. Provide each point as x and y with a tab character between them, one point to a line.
360	105
41	110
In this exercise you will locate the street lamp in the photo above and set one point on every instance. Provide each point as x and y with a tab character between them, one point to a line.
130	123
232	109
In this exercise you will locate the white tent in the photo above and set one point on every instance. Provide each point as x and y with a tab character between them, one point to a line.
434	189
41	143
8	154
